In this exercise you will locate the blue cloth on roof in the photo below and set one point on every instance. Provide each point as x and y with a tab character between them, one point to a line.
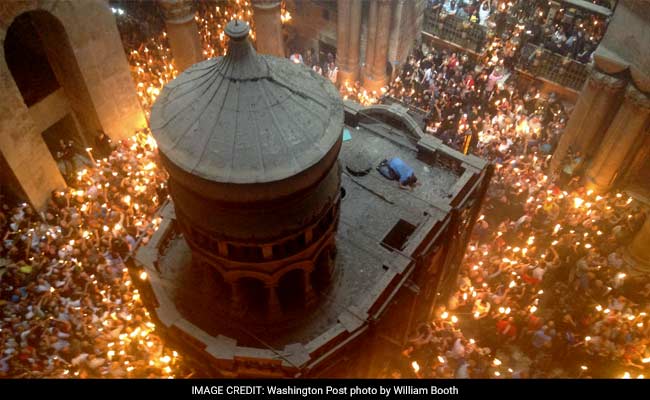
400	168
346	134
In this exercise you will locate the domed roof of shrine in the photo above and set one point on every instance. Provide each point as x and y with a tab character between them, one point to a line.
246	118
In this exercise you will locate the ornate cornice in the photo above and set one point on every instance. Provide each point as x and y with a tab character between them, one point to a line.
605	82
176	11
265	4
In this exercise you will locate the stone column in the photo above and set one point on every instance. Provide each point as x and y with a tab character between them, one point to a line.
638	251
310	296
182	31
370	42
268	27
274	310
630	122
378	68
350	72
395	40
342	35
592	114
236	297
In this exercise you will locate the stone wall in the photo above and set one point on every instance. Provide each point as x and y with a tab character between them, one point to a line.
98	85
625	44
408	31
312	23
310	26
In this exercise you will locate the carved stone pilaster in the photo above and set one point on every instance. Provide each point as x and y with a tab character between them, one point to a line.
268	27
182	31
598	102
617	147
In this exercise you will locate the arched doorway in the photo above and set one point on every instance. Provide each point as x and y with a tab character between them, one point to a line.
44	68
92	82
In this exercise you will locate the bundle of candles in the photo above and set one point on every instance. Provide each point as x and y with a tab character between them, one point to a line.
356	92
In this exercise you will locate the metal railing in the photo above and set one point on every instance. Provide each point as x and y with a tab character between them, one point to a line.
451	28
534	60
554	67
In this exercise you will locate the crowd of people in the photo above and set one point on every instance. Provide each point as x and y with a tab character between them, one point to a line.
68	306
544	287
543	290
471	104
571	32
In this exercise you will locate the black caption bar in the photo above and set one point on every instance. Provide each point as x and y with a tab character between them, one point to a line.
321	388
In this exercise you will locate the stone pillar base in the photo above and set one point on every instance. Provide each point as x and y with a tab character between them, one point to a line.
347	76
373	84
591	183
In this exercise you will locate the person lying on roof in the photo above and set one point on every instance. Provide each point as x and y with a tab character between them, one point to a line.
396	169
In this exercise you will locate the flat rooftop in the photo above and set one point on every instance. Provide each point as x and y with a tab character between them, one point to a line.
371	209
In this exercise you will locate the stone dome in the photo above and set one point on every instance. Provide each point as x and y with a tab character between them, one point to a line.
246	118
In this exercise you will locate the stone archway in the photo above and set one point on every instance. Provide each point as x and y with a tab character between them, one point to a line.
86	58
43	65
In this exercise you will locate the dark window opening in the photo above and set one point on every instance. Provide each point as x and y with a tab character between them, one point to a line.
279	251
398	236
28	62
244	253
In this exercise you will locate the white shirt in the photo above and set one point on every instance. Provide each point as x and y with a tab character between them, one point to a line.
484	14
333	73
296	58
448	8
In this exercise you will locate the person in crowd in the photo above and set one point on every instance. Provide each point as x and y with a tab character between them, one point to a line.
296	57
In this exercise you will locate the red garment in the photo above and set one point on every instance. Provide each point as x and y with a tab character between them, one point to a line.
529	279
453	62
504	327
534	323
469	82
